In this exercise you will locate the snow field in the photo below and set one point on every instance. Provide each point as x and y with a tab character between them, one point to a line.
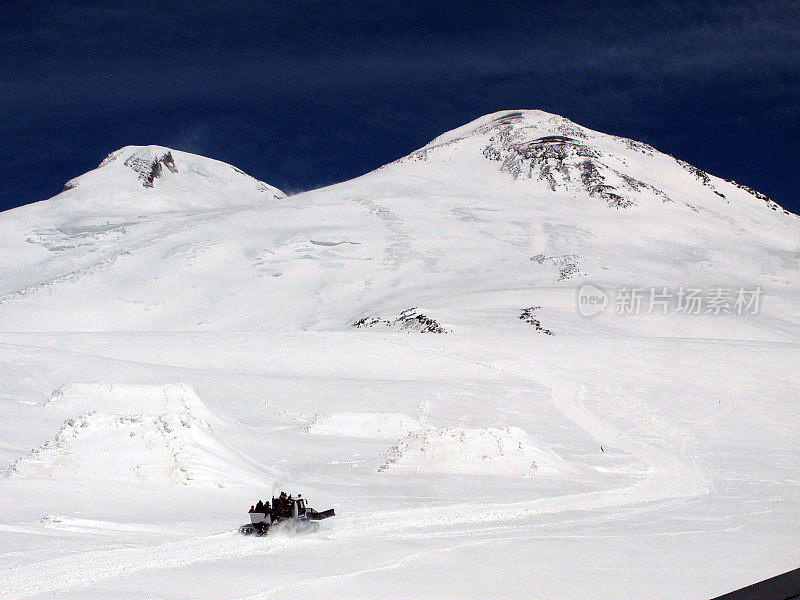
671	484
362	425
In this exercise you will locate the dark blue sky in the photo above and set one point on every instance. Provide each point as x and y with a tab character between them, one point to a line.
303	94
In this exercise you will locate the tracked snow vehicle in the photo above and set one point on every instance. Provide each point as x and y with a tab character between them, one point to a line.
286	512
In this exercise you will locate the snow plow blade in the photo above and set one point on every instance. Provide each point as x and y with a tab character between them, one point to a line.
318	516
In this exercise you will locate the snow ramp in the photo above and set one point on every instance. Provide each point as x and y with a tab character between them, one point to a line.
136	434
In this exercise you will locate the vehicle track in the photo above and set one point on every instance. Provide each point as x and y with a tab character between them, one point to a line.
88	568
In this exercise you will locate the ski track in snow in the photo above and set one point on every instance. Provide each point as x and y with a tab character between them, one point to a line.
386	566
89	568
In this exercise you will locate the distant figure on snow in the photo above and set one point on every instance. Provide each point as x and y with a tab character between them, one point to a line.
259	507
283	505
252	509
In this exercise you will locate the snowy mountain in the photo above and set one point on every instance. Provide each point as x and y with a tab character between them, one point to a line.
512	211
514	361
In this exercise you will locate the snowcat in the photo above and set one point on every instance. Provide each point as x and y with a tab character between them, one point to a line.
292	512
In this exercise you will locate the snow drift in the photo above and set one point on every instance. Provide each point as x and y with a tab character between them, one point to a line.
135	434
126	398
489	451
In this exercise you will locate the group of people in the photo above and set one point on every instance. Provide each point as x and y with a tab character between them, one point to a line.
281	506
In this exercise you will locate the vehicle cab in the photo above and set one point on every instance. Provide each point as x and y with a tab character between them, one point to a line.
299	508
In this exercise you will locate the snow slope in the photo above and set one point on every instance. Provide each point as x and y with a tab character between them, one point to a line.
363	425
407	348
515	210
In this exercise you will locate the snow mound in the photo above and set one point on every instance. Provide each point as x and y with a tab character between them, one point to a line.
489	451
164	439
363	425
126	399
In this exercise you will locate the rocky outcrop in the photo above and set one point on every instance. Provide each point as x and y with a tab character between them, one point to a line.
561	161
766	199
567	264
409	320
150	168
527	315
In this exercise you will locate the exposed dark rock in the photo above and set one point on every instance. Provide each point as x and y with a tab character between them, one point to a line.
109	159
638	146
528	316
169	162
594	182
155	173
542	158
539	258
150	169
507	119
409	320
616	201
562	161
567	264
636	185
761	196
699	174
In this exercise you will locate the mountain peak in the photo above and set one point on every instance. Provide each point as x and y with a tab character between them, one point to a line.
541	152
516	119
495	225
148	162
164	178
